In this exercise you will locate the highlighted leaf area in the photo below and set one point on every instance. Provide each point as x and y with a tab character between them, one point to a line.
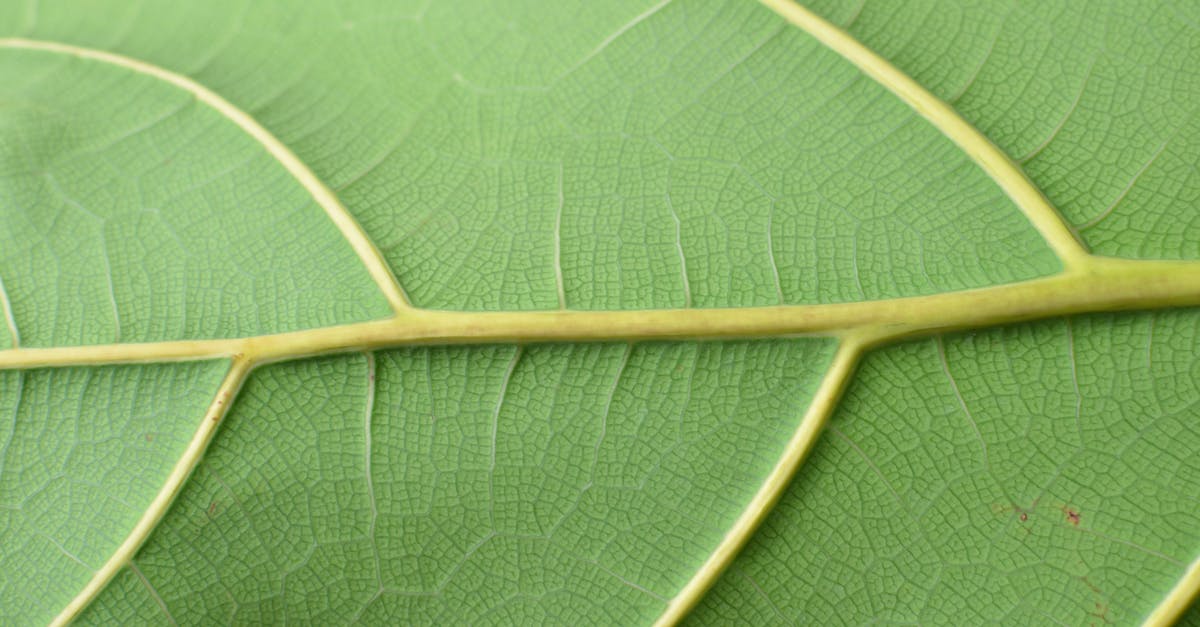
701	203
1098	107
695	154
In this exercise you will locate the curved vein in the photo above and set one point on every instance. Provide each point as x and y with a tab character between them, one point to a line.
9	320
1178	600
1028	198
798	447
162	501
375	264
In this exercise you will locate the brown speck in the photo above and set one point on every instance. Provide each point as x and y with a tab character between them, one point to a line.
1101	605
1072	516
212	509
1101	613
1024	517
149	437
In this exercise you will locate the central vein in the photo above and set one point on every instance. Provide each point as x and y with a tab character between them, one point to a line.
1100	284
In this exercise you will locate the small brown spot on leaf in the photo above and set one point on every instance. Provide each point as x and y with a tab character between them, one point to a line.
149	437
1101	606
1072	515
1101	613
1022	512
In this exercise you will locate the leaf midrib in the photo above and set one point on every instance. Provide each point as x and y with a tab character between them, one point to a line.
1102	285
1087	284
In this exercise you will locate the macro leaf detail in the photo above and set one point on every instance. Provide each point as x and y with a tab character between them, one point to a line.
647	311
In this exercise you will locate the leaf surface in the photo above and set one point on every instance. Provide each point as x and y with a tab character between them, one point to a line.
667	234
135	212
85	450
1028	475
547	483
1097	106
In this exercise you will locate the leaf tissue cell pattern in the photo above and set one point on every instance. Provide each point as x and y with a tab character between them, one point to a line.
487	188
83	451
694	175
133	212
437	485
506	157
1044	473
1098	106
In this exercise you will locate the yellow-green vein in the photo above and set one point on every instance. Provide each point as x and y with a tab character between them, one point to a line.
162	501
823	403
1028	198
1103	285
378	268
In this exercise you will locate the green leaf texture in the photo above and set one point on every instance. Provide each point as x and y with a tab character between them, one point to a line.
1039	474
525	155
546	484
131	212
84	452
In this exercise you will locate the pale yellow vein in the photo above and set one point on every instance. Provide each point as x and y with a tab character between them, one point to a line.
375	263
1007	174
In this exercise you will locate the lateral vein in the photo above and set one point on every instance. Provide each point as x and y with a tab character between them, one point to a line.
811	425
341	217
123	556
9	319
1028	198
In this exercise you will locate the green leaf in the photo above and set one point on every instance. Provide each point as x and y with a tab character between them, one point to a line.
1029	475
1097	105
132	213
548	483
85	449
621	312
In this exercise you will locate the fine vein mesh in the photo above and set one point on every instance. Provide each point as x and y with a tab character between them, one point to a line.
1045	473
130	211
623	155
635	154
83	451
1098	106
553	483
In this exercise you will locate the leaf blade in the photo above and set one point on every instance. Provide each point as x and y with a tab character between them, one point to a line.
436	489
85	451
1047	472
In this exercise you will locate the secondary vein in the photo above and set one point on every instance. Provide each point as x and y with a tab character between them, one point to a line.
9	319
1027	197
375	264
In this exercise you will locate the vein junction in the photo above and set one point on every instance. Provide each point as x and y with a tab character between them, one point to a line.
1097	284
1088	284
